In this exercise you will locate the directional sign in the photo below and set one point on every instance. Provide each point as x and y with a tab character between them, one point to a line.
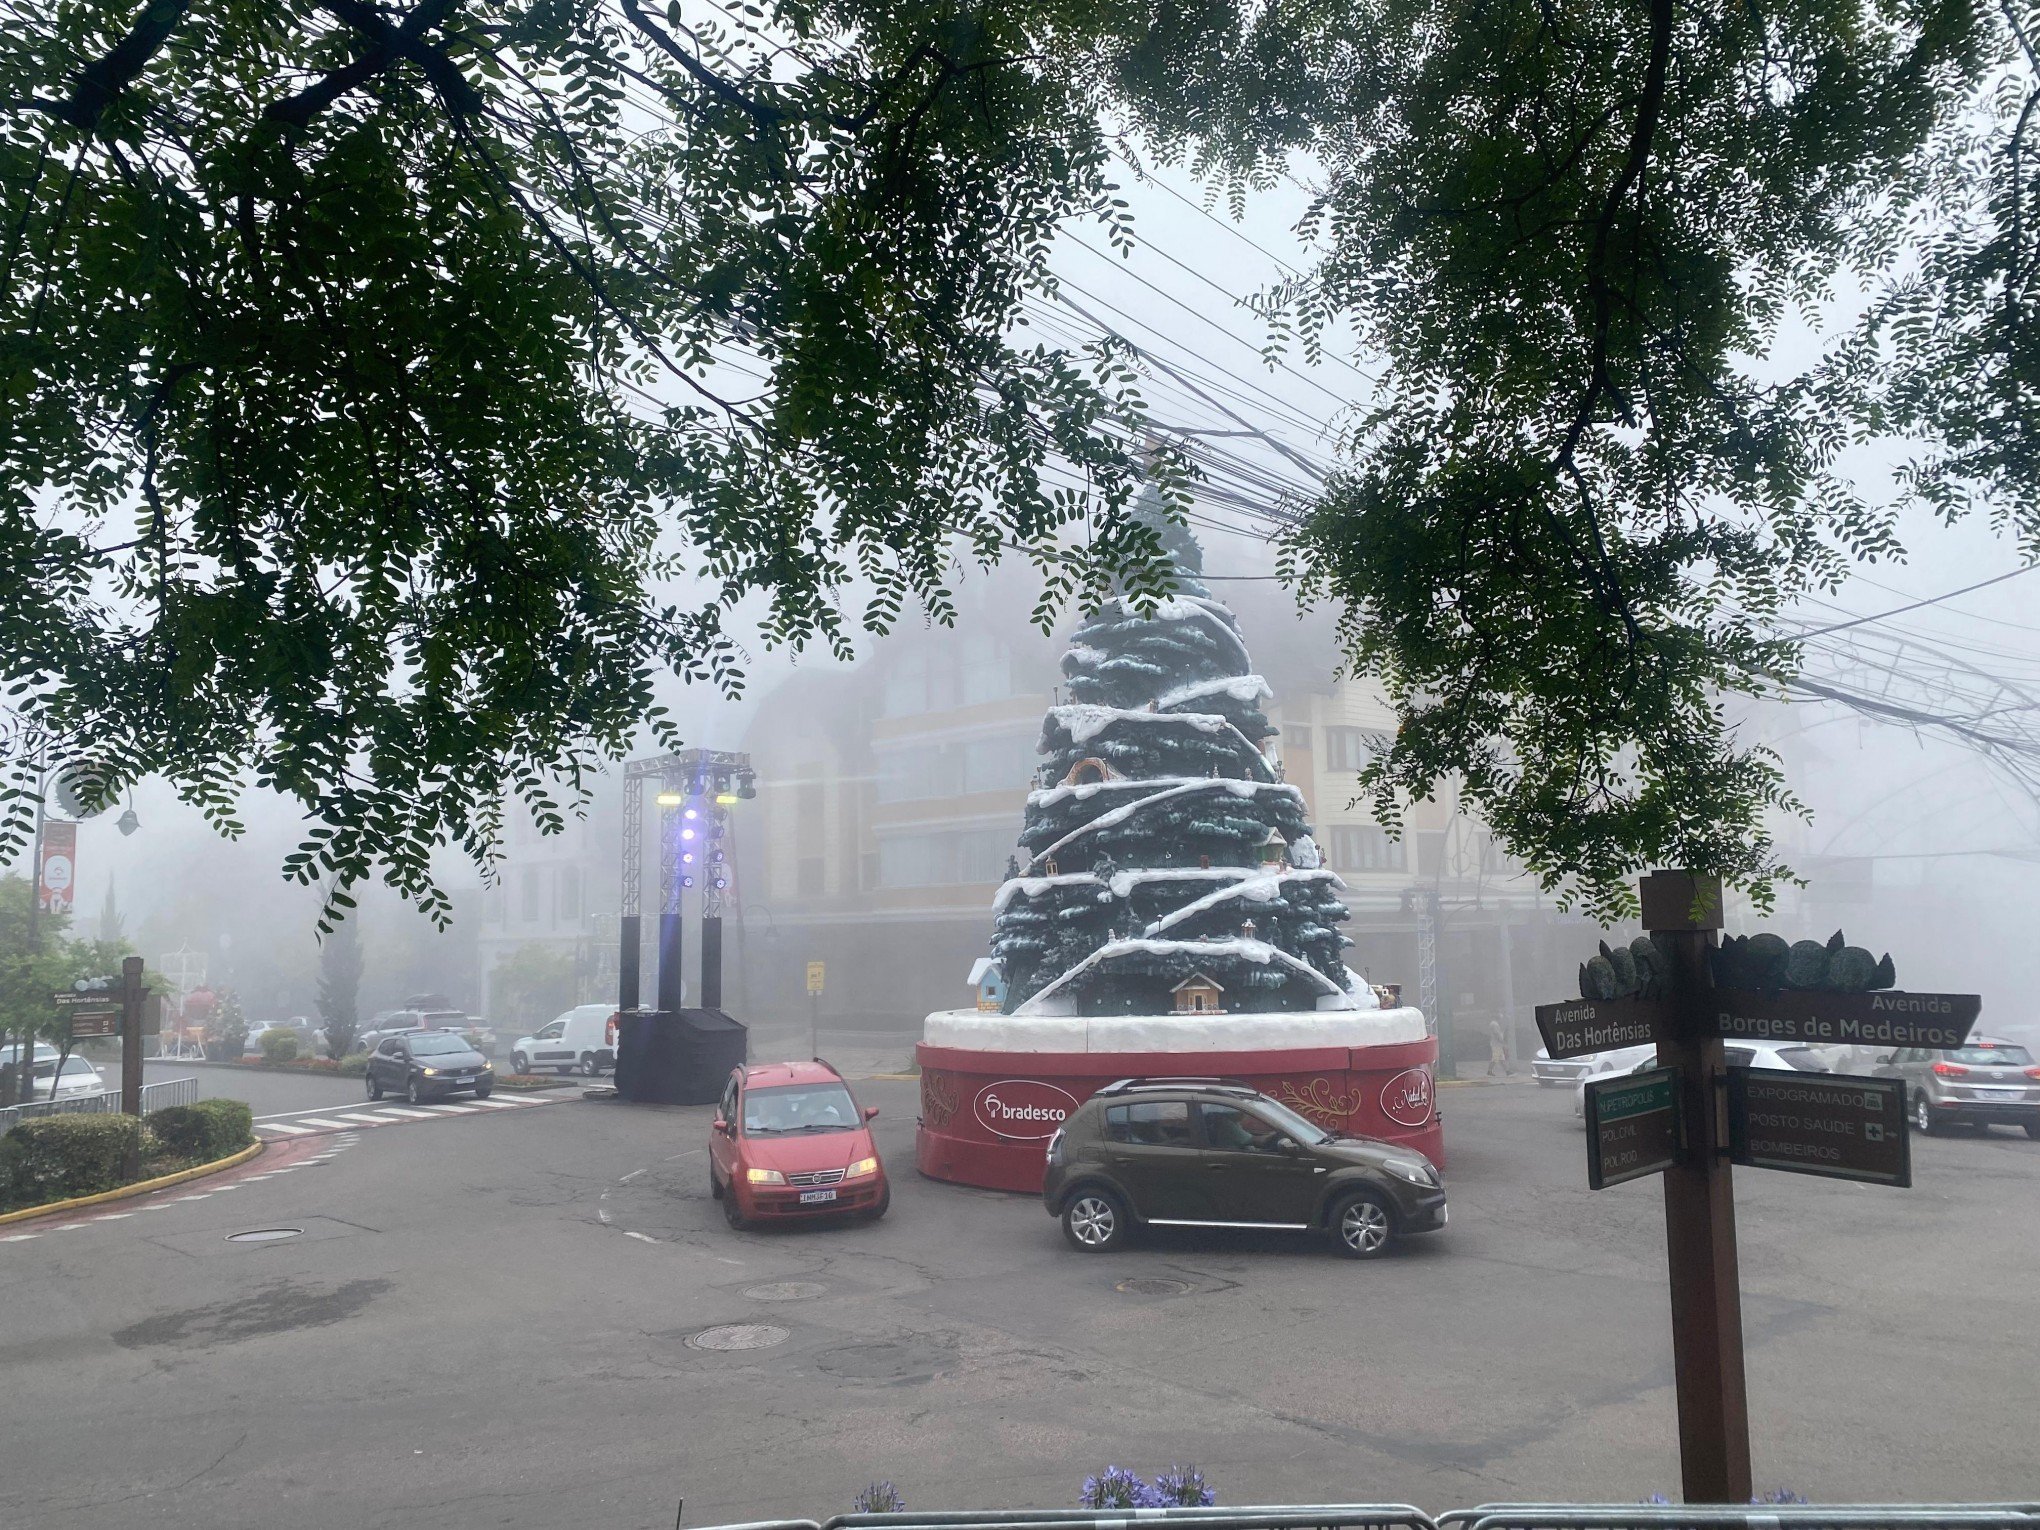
100	999
1632	1126
1887	1019
94	1022
1581	1026
815	971
1831	1124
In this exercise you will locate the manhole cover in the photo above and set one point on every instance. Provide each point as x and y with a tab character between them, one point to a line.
1153	1285
903	1360
786	1291
266	1235
739	1336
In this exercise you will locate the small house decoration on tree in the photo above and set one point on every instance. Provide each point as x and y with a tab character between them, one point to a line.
1197	994
990	983
1274	849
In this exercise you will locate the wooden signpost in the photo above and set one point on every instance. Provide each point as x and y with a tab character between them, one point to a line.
1692	1117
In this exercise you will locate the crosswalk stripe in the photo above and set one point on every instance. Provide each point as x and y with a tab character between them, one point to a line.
405	1111
500	1104
289	1131
453	1110
321	1121
367	1120
114	1216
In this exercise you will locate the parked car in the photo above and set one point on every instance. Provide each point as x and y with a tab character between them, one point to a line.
427	1065
1211	1153
398	1022
788	1141
1980	1084
307	1037
1736	1054
580	1038
79	1077
1552	1072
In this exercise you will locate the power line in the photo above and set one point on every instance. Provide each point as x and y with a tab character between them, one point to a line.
1932	600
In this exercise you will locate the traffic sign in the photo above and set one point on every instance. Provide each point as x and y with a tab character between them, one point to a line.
815	972
1831	1124
87	1023
1887	1018
1581	1026
1633	1126
66	999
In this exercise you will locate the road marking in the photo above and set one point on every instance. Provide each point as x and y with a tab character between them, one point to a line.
414	1115
202	1195
319	1121
19	1237
633	1174
504	1104
367	1120
291	1131
452	1110
603	1216
114	1216
641	1237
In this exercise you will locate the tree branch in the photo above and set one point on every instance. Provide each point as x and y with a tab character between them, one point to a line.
403	42
103	79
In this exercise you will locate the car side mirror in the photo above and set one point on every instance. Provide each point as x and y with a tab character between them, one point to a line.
1288	1147
871	1112
1882	1057
719	1125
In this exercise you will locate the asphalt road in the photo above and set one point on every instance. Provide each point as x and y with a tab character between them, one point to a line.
487	1321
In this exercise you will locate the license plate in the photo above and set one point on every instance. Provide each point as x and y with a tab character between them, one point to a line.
813	1197
465	1078
1985	1092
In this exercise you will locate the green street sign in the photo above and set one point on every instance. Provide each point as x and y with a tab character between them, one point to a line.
1633	1126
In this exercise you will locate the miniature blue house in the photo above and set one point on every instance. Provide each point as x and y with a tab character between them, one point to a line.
990	984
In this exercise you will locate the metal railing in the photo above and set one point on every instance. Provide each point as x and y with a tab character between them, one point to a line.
1285	1516
157	1096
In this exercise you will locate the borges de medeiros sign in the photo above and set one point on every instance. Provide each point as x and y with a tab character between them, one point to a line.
1883	1019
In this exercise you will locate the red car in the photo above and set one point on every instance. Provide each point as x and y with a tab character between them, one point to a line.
789	1142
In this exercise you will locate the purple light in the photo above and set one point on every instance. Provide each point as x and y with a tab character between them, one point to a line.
691	813
687	857
687	834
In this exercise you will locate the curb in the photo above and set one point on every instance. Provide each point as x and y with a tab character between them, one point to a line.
140	1187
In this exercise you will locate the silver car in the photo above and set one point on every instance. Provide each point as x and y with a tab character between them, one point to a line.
1981	1083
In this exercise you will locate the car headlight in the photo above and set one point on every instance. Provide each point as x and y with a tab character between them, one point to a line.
764	1176
862	1167
1415	1170
429	1072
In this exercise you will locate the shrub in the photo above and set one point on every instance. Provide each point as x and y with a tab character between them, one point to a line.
53	1158
354	1064
208	1130
879	1498
279	1046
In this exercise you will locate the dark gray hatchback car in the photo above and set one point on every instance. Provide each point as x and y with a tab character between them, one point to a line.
1215	1153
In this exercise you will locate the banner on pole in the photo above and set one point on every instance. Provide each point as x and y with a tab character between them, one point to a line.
56	879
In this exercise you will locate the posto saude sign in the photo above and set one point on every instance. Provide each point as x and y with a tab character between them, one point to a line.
1023	1109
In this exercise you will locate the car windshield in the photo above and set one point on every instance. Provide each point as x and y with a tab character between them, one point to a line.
1287	1120
437	1045
1803	1059
1992	1054
800	1108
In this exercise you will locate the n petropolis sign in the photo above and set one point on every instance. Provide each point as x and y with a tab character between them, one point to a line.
1831	1124
1633	1126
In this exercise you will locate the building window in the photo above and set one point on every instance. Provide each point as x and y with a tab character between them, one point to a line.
810	876
1352	748
567	908
530	893
999	764
987	669
1296	741
1365	847
943	860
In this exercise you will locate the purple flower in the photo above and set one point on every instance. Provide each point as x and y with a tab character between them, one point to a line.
879	1498
1115	1488
1182	1487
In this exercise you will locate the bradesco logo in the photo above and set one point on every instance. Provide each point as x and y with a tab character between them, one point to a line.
1406	1098
1023	1109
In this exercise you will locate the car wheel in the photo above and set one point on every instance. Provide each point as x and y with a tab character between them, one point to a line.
715	1190
1923	1116
2032	1129
413	1093
1363	1226
519	1063
374	1086
884	1205
588	1068
732	1213
483	1091
1094	1221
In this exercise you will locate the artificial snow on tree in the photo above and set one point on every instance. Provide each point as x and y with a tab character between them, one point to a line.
1159	833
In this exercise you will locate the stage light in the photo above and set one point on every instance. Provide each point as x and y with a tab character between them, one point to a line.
722	882
747	784
727	797
690	813
687	857
687	834
670	799
687	881
717	857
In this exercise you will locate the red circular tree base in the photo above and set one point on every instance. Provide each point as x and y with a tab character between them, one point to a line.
986	1117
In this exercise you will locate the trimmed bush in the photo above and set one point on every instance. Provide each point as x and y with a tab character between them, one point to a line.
205	1131
279	1046
354	1064
52	1158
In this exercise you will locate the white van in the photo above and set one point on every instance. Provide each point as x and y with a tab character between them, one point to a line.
581	1038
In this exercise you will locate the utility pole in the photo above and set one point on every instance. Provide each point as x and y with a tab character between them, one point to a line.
131	1002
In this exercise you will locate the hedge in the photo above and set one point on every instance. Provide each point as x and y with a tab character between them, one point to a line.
279	1046
205	1131
52	1158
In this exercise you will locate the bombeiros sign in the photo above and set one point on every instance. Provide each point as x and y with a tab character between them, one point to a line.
1023	1109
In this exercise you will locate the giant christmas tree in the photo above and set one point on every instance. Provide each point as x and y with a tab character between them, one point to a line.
1168	867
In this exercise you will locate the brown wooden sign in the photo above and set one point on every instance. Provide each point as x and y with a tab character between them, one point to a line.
1582	1026
1885	1019
1633	1126
1832	1124
87	1023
